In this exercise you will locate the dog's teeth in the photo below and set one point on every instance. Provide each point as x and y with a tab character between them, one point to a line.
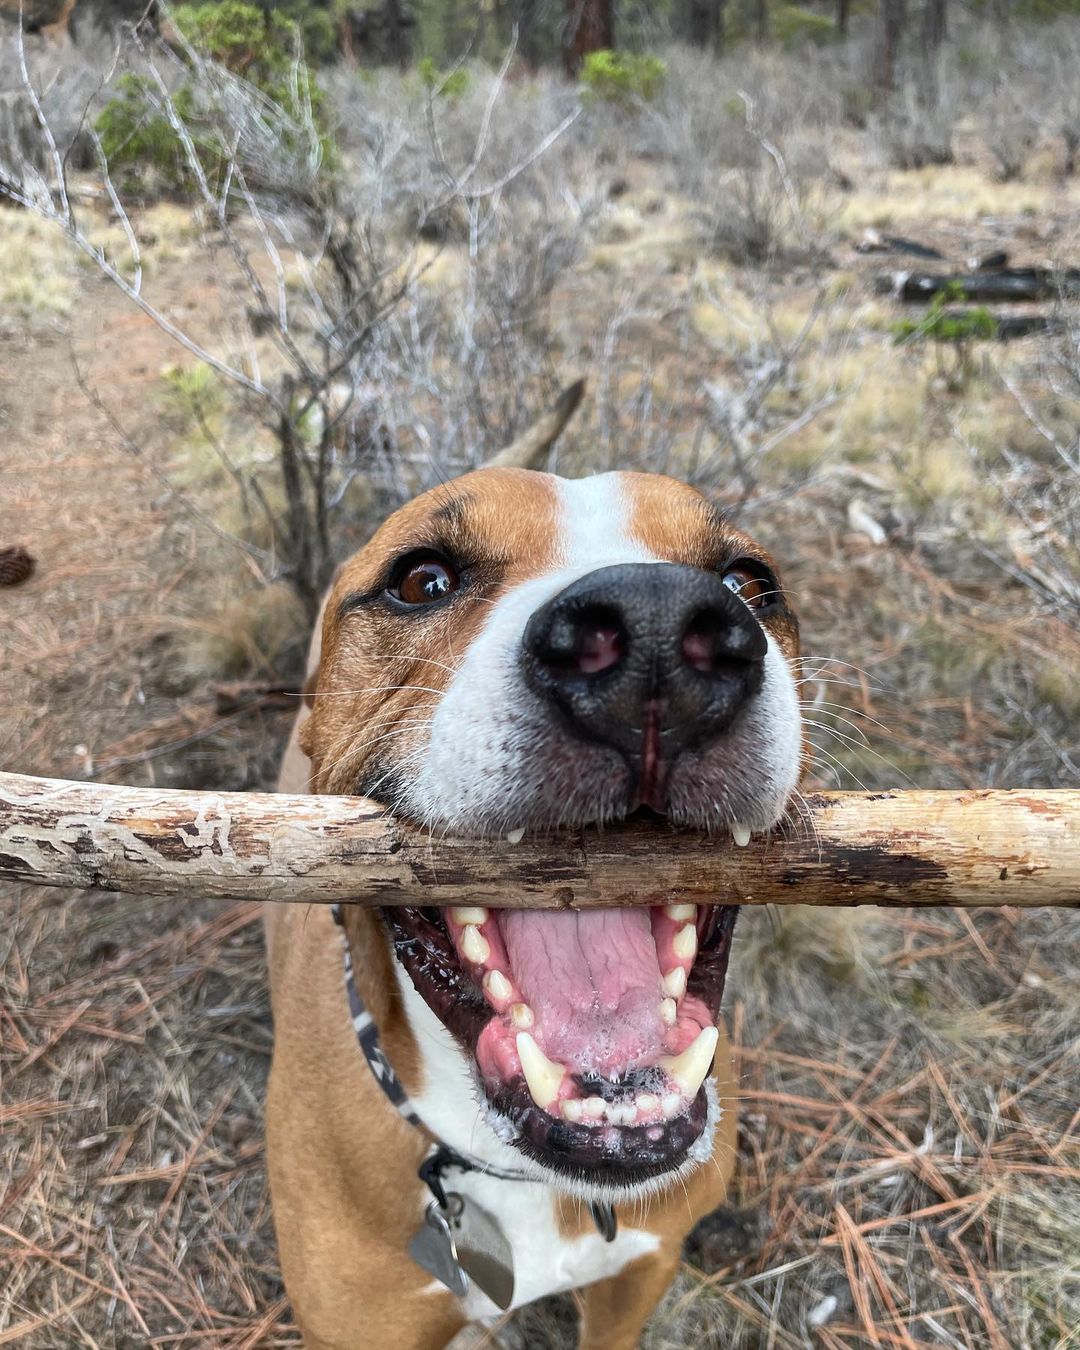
594	1107
671	1104
690	1069
681	913
469	914
522	1016
543	1077
498	986
647	1102
515	836
474	945
624	1114
572	1109
675	982
684	943
740	833
668	1011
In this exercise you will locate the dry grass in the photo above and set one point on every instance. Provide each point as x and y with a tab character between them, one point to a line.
909	1149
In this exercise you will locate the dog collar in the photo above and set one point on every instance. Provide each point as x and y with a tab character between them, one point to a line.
443	1158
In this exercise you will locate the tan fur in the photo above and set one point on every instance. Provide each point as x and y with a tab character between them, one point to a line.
342	1161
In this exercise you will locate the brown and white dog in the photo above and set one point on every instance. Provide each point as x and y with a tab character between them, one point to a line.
516	651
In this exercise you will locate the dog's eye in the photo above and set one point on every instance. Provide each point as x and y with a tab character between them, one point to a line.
425	580
757	590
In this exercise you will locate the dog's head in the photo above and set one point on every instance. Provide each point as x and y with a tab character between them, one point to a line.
516	651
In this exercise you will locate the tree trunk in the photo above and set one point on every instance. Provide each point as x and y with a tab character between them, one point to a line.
590	27
527	37
891	18
761	21
1017	848
706	24
397	34
934	26
843	15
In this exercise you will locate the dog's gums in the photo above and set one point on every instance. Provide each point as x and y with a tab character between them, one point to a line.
592	1032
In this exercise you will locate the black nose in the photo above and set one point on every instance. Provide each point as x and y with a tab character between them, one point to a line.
650	658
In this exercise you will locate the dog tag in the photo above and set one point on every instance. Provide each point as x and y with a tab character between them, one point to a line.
484	1253
462	1243
433	1248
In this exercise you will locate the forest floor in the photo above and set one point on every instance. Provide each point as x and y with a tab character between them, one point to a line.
910	1138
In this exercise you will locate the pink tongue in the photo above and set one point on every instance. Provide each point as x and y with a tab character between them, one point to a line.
593	980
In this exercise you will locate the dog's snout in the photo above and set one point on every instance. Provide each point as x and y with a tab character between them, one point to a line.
651	658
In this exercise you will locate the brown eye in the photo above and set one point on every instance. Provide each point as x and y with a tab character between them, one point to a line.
424	581
756	590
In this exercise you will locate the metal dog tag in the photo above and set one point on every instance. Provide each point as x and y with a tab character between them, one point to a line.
484	1253
464	1242
433	1248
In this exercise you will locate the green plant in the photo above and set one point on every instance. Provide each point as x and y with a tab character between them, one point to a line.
623	78
233	41
136	138
951	329
449	84
792	26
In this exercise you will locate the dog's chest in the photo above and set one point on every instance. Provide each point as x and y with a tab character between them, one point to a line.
546	1260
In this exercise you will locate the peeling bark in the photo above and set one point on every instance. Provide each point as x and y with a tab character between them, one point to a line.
1017	848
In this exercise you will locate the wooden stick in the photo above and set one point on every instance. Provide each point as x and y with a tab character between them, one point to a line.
852	848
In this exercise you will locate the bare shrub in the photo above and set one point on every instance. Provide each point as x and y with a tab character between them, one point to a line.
334	347
1010	128
744	151
916	124
1062	61
67	78
1040	484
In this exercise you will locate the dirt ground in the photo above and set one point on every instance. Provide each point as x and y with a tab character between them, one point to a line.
910	1140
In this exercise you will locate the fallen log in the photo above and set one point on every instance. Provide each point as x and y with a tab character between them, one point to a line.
841	848
1006	285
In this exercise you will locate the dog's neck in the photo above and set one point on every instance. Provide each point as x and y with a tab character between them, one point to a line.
434	1071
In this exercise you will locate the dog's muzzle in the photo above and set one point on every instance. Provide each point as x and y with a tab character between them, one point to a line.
651	659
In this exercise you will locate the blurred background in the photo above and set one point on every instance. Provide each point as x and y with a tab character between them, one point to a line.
268	271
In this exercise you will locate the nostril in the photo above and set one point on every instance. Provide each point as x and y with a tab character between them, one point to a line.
587	643
699	649
711	642
599	648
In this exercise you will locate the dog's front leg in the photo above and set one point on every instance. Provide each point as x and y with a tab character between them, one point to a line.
616	1310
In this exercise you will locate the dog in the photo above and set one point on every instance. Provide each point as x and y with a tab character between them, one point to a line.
518	652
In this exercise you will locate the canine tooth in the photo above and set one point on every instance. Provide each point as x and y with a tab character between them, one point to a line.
498	986
572	1109
466	914
594	1107
522	1016
691	1068
668	1011
681	913
646	1102
515	836
671	1104
684	943
542	1076
740	833
675	982
474	945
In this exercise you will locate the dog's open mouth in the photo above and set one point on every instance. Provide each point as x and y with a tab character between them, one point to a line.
593	1031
